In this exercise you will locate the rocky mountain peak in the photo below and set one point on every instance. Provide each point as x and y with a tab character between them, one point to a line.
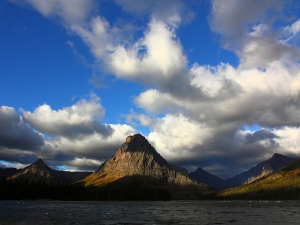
137	143
136	157
277	156
137	146
39	169
40	162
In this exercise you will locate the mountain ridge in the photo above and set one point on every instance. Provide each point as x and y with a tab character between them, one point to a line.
282	184
259	171
39	170
208	178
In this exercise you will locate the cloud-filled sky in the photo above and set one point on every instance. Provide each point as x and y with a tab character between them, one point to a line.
213	84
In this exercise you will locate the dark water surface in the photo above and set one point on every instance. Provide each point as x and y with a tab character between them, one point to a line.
170	212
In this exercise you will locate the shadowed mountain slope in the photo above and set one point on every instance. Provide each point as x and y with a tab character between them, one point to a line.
205	177
40	171
7	172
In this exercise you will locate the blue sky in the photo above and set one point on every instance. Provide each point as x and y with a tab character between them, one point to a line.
209	83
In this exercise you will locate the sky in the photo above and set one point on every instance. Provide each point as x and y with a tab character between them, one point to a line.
212	84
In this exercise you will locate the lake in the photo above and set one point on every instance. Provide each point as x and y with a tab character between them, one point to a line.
141	212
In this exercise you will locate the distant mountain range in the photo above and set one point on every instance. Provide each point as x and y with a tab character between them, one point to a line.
212	180
40	171
138	172
281	184
257	172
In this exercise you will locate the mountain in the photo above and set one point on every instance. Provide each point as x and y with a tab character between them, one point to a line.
7	172
205	177
282	184
260	170
137	167
40	171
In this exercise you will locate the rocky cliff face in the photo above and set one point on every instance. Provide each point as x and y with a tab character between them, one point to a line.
136	157
260	170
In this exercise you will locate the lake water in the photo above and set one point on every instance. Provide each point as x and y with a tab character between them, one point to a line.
169	212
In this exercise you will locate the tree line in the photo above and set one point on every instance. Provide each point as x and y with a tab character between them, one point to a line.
16	189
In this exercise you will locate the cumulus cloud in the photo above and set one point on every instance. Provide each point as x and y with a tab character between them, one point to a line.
91	146
22	145
191	144
76	121
153	59
75	138
18	158
260	135
86	153
15	133
257	43
208	132
289	139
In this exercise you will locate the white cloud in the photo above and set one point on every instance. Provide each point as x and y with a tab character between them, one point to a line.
289	139
154	101
294	28
256	43
175	136
93	148
160	58
83	118
75	11
22	145
153	59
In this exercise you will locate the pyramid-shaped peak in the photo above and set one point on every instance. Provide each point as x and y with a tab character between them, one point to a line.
136	157
137	143
40	164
